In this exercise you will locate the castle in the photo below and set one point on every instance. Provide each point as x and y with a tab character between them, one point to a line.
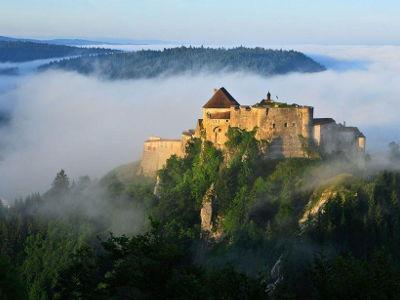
285	126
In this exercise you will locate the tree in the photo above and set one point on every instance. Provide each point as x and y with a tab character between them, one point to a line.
394	152
11	287
60	185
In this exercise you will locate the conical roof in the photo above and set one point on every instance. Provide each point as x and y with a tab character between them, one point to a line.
221	99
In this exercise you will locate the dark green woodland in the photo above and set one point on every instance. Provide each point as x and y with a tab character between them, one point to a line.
190	60
18	51
114	239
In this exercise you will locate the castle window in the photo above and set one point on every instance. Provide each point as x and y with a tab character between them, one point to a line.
286	124
273	125
293	124
227	120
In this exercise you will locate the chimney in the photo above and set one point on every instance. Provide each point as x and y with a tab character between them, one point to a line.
215	90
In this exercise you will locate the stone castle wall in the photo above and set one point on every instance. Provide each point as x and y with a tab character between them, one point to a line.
285	127
334	137
281	126
156	151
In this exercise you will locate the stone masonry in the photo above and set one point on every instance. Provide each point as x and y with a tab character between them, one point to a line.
284	126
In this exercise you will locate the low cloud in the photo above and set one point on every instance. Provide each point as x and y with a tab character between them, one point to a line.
86	125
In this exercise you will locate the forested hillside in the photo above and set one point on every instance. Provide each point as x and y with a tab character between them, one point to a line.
150	63
323	228
16	51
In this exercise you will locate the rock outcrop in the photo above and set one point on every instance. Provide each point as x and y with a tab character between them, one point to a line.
157	187
336	187
209	217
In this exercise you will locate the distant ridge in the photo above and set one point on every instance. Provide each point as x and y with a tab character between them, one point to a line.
22	51
84	42
192	60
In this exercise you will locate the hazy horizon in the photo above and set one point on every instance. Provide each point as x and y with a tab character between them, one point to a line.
223	21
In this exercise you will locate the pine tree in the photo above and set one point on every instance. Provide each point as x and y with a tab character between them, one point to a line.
60	184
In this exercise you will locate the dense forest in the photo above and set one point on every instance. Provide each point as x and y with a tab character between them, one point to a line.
183	60
17	51
295	228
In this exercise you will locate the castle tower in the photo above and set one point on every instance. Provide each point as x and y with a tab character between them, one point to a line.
216	116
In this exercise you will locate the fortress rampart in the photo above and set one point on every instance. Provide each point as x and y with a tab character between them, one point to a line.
156	151
284	126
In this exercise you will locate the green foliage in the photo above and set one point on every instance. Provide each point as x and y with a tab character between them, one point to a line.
360	216
152	63
148	266
274	104
60	185
352	278
184	182
11	286
40	233
244	161
259	203
17	51
309	147
46	255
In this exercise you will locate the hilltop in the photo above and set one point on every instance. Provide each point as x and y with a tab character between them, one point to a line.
21	51
192	60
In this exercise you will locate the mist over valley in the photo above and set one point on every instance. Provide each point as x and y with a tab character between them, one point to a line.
88	125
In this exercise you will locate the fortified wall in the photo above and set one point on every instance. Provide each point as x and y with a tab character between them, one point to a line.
156	151
285	126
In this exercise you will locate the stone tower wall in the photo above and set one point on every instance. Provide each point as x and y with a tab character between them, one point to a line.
215	129
281	126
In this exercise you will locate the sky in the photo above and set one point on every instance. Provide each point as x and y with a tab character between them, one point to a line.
207	21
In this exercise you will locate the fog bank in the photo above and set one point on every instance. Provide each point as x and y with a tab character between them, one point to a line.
88	126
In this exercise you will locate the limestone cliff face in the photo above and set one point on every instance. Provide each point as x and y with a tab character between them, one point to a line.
157	187
336	187
208	213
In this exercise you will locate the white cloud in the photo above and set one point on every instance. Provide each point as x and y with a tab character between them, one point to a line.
88	126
